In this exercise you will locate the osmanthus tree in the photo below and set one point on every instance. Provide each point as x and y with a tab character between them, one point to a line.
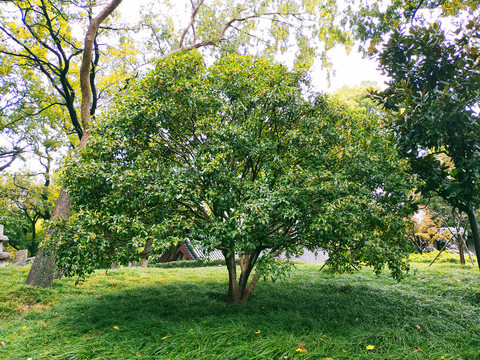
38	39
237	157
433	106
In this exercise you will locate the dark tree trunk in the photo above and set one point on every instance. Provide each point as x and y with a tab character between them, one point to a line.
33	245
460	248
475	233
232	277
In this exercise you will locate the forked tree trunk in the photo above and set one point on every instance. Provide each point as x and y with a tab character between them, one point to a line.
475	233
42	272
239	292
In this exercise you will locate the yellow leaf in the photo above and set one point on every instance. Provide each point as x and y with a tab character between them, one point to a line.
166	337
116	327
257	332
370	347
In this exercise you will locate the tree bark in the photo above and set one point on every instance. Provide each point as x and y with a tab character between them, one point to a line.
475	233
232	277
460	248
43	270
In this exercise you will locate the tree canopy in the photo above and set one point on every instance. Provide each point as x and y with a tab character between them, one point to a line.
236	157
24	204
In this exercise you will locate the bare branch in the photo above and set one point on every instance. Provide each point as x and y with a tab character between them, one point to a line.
14	154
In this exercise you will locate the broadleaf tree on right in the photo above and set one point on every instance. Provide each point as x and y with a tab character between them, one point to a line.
432	103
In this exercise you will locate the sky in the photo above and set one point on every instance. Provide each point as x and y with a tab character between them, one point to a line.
350	70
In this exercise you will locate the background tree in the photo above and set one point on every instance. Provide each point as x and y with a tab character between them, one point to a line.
25	203
27	198
235	158
374	21
425	230
357	97
433	100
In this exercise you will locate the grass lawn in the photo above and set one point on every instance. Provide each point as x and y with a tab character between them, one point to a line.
181	313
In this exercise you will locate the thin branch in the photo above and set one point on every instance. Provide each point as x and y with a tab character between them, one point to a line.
14	156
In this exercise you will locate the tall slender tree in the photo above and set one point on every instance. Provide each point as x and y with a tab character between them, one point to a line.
42	272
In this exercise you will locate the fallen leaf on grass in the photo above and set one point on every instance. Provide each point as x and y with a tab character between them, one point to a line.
370	347
301	348
166	337
116	327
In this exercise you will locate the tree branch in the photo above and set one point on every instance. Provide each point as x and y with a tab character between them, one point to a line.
190	25
87	59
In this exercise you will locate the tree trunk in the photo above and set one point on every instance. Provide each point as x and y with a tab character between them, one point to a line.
232	277
146	253
475	233
240	292
33	247
460	248
42	272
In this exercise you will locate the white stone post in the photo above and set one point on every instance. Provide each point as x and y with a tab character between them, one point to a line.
4	256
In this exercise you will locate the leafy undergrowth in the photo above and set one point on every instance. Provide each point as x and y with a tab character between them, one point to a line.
181	313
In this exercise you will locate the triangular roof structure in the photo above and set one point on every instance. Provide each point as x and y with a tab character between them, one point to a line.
187	250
